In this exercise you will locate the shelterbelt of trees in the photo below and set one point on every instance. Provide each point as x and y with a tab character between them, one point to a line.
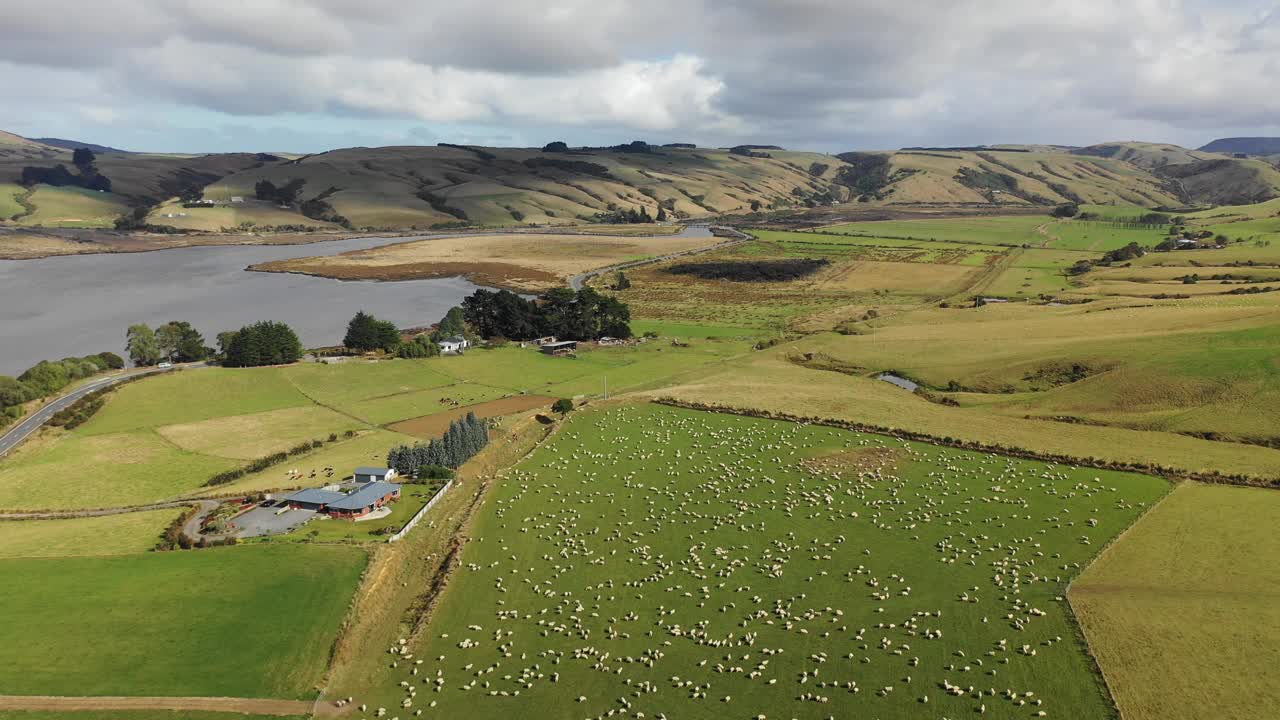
46	378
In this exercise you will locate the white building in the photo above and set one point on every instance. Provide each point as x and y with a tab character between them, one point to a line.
374	474
453	345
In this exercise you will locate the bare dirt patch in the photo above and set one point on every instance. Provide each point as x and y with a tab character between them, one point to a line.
864	460
435	424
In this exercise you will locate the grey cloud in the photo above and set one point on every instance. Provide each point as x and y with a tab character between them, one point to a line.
800	72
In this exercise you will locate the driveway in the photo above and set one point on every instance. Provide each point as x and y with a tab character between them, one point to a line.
262	521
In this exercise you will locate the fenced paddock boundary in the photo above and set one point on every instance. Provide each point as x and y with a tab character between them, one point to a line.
413	521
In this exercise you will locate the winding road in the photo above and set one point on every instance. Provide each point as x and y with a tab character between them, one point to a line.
24	429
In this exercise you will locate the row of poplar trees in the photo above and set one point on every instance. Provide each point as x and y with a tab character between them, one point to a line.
465	438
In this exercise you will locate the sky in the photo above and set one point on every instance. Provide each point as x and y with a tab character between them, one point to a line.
824	75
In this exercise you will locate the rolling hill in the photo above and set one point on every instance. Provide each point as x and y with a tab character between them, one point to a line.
73	144
418	187
1245	145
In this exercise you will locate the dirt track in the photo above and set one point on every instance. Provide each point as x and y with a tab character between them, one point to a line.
254	706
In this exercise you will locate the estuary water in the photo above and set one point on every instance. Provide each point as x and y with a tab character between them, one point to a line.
81	304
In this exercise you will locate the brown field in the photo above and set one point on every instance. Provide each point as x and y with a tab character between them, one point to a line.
435	424
244	437
524	262
895	276
27	246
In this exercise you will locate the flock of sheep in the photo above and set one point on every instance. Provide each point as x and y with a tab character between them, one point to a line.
661	563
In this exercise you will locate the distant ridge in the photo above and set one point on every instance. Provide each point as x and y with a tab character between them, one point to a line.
1246	145
74	144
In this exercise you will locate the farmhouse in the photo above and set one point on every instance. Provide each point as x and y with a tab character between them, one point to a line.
560	348
313	499
374	474
332	501
453	345
365	500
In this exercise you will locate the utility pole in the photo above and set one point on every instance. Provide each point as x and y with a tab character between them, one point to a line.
606	387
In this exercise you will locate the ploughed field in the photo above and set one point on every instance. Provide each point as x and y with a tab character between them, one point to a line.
685	564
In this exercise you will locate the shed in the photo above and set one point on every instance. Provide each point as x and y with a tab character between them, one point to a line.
560	348
374	474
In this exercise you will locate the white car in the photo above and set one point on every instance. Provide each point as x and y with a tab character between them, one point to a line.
164	365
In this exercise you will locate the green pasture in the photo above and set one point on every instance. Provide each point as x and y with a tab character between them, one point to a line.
163	437
1115	212
702	566
1100	237
9	205
107	535
73	207
368	448
108	470
194	395
1035	272
997	230
235	622
1183	610
342	385
1180	367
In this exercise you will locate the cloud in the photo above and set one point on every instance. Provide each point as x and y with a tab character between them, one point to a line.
833	74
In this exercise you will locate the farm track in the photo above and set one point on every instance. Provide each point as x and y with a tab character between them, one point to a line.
247	706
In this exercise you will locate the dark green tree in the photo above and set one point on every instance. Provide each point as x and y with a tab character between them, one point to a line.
263	343
1065	210
46	378
366	333
14	392
453	323
111	360
83	159
562	406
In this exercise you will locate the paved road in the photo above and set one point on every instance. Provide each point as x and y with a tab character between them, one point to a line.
24	429
577	282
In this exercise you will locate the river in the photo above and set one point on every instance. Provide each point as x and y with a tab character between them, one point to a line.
80	304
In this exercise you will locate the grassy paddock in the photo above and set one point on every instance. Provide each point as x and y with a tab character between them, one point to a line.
769	381
1183	611
194	395
236	622
107	535
1008	230
695	543
76	471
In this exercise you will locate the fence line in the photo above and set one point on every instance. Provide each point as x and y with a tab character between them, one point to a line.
413	521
